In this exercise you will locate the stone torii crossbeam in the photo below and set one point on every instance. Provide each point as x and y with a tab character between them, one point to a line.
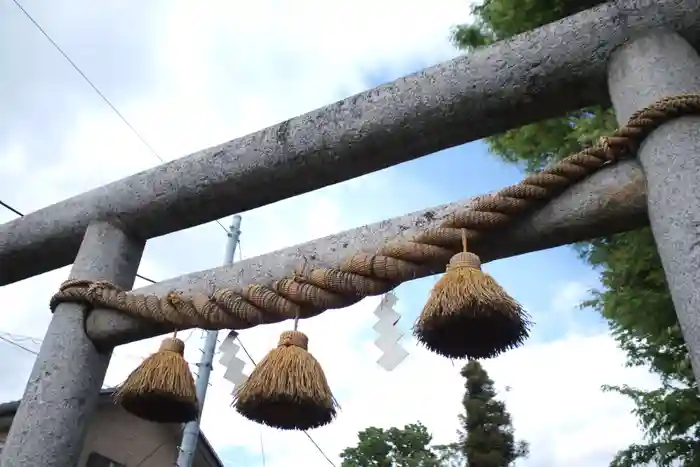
630	53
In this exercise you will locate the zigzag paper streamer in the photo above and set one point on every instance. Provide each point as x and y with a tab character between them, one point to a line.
389	335
234	365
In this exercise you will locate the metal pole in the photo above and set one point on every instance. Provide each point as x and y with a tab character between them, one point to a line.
191	434
51	422
646	69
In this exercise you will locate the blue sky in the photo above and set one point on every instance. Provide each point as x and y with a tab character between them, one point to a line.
545	282
532	278
470	170
189	77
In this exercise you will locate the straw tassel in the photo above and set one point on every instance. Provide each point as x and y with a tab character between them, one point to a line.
162	388
468	314
287	389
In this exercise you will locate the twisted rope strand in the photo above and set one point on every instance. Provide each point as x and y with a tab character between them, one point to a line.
311	292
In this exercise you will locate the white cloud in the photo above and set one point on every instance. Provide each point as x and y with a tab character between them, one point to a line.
569	295
565	304
192	75
556	400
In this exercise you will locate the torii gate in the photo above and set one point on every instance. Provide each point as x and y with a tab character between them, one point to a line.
632	53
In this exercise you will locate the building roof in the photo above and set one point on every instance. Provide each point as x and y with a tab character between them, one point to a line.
8	409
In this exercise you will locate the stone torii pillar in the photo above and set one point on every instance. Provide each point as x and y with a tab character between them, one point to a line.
51	422
663	64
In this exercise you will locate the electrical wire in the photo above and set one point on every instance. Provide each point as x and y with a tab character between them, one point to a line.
16	339
21	338
10	208
133	130
151	454
11	342
137	275
252	360
250	357
262	448
5	205
145	278
318	448
12	338
94	87
240	252
157	448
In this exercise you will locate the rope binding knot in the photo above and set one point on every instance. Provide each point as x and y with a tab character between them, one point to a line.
295	338
173	344
465	259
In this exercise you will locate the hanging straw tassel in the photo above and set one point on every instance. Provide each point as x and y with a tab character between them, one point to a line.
468	314
287	389
161	389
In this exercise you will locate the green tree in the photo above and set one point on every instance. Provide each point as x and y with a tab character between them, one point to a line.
634	298
450	455
395	447
487	437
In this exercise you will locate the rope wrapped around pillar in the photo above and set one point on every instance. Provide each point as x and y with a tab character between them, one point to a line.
443	329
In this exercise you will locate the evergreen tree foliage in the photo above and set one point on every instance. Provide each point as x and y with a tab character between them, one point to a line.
634	298
487	437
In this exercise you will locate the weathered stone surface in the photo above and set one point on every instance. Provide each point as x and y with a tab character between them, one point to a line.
540	74
59	401
612	200
650	68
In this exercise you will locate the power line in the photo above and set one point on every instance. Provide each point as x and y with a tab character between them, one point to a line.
318	448
250	357
152	453
11	342
87	80
252	360
262	448
156	449
21	338
94	87
145	278
5	205
15	339
246	351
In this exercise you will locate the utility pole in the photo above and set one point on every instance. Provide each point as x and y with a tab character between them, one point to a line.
191	434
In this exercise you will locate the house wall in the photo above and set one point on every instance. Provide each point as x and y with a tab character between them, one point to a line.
127	439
